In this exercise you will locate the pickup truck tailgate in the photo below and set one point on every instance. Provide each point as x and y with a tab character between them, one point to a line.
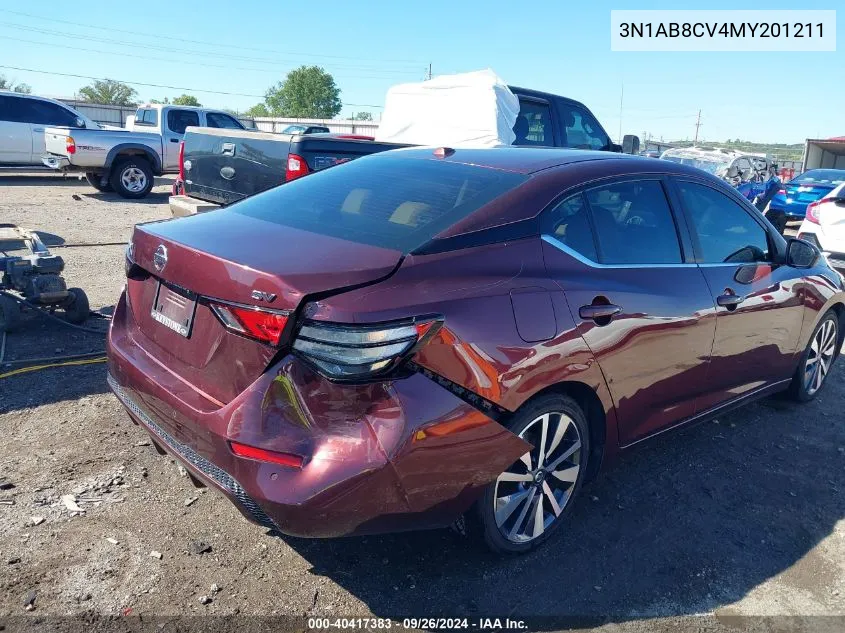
224	165
55	141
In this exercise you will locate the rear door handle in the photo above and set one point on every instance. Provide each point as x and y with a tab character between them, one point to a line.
38	129
594	312
729	301
174	140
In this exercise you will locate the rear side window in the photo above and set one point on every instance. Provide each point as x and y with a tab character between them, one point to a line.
217	119
726	232
146	116
633	223
178	120
582	130
569	223
533	124
390	202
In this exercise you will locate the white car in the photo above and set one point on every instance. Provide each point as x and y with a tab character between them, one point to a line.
824	226
23	119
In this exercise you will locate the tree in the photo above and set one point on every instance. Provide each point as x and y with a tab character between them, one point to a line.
362	116
164	101
259	109
308	92
6	84
188	100
109	92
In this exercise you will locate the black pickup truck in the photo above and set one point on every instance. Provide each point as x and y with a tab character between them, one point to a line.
222	166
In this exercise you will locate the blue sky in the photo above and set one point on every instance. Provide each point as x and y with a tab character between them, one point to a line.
556	45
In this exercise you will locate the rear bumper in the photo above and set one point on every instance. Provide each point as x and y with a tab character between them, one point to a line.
406	454
181	205
61	163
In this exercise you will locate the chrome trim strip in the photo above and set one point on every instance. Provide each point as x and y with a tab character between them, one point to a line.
736	402
553	241
194	459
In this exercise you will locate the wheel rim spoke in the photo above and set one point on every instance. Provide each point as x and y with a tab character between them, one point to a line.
544	432
518	477
550	495
539	518
562	426
508	505
566	455
567	475
520	519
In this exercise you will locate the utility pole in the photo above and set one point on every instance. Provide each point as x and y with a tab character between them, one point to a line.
428	77
621	98
697	125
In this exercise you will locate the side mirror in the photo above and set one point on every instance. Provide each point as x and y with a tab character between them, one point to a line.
631	144
801	254
79	122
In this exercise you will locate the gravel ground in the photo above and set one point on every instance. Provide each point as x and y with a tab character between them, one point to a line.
739	517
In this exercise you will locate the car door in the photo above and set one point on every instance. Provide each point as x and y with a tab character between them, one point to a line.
15	133
44	114
759	310
176	122
624	262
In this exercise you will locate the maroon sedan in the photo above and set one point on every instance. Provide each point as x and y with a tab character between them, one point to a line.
421	334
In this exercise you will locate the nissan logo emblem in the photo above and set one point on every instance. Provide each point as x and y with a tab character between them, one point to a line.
160	257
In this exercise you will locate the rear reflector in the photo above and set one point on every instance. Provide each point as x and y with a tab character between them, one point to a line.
261	455
296	167
260	325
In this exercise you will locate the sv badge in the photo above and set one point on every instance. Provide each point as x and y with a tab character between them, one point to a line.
258	295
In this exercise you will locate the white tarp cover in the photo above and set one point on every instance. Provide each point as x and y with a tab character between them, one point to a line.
474	109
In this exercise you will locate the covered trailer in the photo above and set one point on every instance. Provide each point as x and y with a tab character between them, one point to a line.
824	153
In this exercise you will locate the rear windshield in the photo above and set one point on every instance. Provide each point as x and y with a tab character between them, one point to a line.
391	202
821	177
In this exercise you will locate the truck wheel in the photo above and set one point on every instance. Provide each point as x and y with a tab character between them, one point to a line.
78	309
132	177
10	314
96	181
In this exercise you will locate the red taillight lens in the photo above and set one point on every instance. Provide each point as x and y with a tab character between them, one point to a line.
781	192
813	212
70	145
261	325
252	452
182	160
297	167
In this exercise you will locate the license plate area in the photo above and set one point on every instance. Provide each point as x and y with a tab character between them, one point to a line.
174	308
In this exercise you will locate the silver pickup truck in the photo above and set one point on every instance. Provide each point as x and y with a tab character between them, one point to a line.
127	161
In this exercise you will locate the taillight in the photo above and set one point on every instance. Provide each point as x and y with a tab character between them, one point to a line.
262	455
296	168
813	212
261	325
354	352
781	192
70	145
182	160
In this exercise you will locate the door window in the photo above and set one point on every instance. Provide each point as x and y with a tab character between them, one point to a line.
633	223
582	130
725	231
40	112
569	223
217	119
178	120
146	116
533	124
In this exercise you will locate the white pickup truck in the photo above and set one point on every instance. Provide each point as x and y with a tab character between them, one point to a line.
127	161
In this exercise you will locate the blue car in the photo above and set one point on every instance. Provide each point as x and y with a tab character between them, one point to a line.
790	202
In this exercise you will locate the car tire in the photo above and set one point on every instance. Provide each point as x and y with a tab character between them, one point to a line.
132	177
817	360
512	526
96	181
10	314
78	309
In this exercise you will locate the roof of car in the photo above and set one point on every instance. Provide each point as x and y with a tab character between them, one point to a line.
521	160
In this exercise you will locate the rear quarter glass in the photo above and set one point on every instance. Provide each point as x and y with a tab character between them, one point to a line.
389	202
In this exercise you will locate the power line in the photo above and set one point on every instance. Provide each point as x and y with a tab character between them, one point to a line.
182	51
160	36
178	61
141	83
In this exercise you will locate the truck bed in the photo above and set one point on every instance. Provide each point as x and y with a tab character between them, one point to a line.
223	166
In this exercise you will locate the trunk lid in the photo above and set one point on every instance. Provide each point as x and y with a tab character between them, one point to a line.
227	256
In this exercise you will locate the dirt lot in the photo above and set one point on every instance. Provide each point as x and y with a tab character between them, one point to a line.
743	516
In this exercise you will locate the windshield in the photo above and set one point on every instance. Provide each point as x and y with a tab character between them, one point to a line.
390	202
820	177
293	129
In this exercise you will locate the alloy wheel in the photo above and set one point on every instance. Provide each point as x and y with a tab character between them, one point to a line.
133	179
532	493
820	358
